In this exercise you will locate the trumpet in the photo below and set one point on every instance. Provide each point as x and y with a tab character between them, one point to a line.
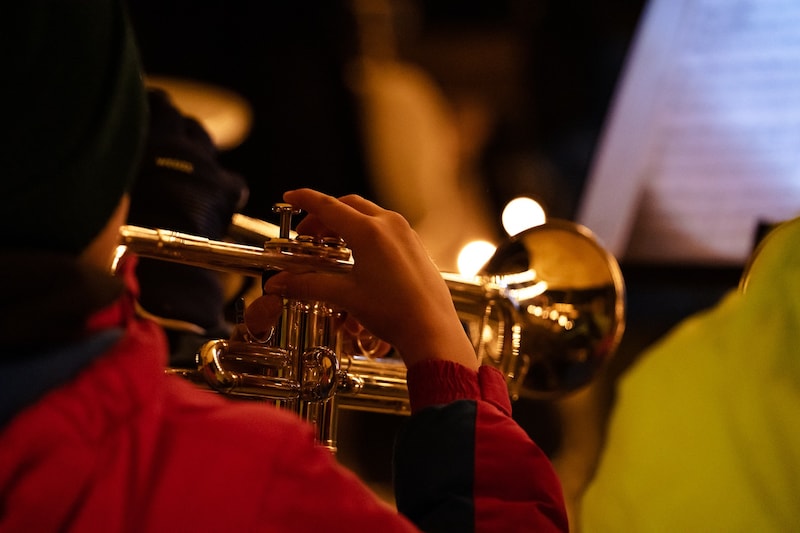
547	310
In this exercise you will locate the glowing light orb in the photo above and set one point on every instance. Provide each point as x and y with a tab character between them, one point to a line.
522	213
473	256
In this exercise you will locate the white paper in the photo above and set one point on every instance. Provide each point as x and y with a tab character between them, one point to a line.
703	141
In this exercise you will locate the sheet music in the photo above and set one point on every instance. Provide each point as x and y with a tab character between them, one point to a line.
703	143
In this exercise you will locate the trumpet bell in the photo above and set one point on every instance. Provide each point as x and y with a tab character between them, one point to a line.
569	299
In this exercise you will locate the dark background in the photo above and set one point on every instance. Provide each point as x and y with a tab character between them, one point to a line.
546	68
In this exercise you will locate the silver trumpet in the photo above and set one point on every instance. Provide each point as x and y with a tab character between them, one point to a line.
547	310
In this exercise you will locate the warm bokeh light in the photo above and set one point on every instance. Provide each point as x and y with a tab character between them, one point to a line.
473	256
522	213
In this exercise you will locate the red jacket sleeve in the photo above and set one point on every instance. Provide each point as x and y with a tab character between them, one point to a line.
463	464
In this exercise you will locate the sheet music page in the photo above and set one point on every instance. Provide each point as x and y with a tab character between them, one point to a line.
715	148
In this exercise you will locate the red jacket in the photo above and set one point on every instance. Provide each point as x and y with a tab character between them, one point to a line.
124	447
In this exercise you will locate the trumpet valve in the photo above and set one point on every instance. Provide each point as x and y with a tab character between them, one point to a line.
322	248
285	211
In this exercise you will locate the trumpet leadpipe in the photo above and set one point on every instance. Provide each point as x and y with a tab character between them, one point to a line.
294	255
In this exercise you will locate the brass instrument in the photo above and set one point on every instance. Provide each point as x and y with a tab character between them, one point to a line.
547	310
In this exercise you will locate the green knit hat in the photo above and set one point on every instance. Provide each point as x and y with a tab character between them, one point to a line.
75	117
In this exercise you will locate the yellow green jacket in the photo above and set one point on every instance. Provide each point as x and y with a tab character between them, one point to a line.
705	435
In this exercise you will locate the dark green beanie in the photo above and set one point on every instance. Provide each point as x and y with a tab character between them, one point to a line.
76	119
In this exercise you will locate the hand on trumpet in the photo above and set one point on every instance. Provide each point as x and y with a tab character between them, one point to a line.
394	289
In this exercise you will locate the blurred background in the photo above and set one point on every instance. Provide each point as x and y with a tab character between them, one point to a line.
443	110
493	99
